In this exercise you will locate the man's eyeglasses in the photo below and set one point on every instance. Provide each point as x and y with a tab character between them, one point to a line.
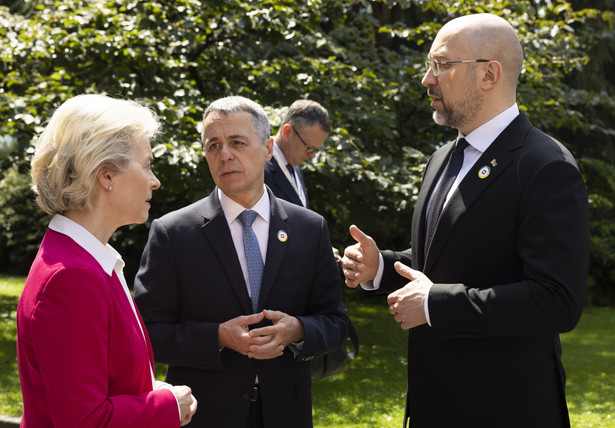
308	149
435	65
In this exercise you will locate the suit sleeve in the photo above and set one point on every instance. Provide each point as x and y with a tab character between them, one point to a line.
174	340
391	280
70	330
326	323
553	245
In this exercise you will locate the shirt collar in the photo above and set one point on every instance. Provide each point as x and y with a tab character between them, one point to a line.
280	154
482	137
105	255
232	209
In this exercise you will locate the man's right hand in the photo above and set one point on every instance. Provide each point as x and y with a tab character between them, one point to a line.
233	334
361	260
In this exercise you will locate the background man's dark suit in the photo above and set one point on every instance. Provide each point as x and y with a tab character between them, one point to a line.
190	281
492	232
279	184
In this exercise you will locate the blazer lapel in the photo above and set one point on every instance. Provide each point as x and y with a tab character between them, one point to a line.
276	248
216	231
280	178
496	158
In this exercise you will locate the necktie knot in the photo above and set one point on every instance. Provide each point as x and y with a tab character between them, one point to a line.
291	169
461	145
247	217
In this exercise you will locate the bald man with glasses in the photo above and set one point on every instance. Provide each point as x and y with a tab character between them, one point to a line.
499	254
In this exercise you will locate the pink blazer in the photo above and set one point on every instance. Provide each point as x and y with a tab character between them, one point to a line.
83	361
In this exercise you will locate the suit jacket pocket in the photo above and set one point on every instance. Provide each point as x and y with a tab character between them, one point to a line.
294	281
489	361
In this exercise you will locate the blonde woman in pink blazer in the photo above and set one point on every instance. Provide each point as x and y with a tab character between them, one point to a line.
84	355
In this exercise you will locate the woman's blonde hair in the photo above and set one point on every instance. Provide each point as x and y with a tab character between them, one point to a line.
85	133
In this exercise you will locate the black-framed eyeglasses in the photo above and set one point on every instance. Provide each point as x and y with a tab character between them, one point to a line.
435	64
308	148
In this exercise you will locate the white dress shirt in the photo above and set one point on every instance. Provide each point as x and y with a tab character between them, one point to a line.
260	226
479	141
294	180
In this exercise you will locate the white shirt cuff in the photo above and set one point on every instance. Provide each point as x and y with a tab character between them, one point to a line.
375	283
427	306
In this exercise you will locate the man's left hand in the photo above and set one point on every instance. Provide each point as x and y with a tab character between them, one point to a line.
408	303
274	338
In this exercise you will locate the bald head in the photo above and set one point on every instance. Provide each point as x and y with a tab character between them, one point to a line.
486	36
466	91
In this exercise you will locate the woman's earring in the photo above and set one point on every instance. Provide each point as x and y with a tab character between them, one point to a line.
109	188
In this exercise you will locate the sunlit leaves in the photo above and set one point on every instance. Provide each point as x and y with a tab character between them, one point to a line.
362	59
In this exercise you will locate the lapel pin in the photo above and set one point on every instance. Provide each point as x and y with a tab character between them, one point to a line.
282	236
494	163
484	172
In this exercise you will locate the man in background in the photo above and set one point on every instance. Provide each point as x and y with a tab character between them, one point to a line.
302	134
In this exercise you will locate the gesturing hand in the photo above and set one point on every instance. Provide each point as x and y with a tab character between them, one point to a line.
360	261
408	303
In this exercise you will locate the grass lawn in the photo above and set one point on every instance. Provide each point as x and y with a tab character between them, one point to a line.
371	392
589	359
10	394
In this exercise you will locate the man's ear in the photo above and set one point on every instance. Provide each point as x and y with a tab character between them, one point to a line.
286	128
269	147
492	75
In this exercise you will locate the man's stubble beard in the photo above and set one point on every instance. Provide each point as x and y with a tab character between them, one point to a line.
456	116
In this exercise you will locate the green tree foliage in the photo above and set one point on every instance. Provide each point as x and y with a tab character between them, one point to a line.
592	97
362	59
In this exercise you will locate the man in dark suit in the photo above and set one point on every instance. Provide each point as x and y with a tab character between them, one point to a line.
303	132
239	336
502	270
301	135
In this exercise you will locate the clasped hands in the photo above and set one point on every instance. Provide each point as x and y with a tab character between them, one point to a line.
264	342
360	264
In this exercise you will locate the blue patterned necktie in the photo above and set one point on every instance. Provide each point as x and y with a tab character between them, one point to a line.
254	259
437	201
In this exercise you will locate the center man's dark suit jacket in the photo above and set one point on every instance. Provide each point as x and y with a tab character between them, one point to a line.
279	184
509	262
190	281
